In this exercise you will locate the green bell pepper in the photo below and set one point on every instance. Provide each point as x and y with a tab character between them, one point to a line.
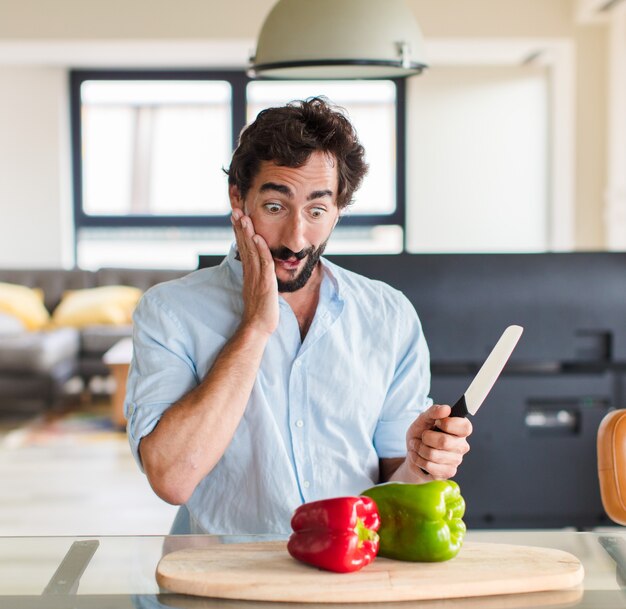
419	522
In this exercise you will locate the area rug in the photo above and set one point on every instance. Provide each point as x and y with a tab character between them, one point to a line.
70	428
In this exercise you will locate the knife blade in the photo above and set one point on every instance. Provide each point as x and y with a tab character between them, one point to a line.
488	374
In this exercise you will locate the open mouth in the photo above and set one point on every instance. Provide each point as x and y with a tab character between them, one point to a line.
290	264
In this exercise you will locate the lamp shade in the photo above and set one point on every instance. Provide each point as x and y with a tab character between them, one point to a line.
339	39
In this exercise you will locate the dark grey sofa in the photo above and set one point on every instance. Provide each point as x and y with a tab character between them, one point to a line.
35	366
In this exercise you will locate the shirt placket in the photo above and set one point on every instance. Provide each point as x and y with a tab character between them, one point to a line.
298	423
300	412
296	405
299	408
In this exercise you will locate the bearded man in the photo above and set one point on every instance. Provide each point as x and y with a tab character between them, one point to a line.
277	377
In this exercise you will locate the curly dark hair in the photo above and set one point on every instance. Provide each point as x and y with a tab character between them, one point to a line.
288	135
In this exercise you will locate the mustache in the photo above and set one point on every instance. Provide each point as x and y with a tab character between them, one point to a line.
284	253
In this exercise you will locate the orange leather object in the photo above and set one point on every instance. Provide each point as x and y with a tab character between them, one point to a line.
612	464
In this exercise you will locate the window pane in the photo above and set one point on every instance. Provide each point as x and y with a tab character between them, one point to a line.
155	147
107	149
371	107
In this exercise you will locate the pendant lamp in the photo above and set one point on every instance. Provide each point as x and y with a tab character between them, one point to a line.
339	39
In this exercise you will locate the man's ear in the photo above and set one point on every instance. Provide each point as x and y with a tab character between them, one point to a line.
236	202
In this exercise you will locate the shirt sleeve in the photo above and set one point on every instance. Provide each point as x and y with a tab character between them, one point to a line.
408	391
161	370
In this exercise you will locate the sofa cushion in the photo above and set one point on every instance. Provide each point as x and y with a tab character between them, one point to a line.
10	325
24	303
53	282
38	351
101	305
97	339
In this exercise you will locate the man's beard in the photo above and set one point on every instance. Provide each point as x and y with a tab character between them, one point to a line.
312	256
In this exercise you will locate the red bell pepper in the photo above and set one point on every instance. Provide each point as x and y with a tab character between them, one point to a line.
336	534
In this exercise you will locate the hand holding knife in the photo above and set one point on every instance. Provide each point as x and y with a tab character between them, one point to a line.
479	388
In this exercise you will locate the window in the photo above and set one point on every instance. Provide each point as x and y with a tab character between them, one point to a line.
149	148
155	148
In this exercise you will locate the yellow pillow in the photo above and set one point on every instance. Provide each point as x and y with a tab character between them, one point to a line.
112	304
24	303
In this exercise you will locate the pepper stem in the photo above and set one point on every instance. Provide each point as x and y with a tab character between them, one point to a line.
364	533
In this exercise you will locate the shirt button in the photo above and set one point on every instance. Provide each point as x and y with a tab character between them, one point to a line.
306	484
299	423
298	363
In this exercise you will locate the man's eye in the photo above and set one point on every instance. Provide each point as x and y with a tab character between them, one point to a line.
273	208
317	212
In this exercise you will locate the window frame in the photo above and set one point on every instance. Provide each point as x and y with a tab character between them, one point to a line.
239	81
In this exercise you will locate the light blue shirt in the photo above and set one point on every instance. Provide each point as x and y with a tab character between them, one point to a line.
322	411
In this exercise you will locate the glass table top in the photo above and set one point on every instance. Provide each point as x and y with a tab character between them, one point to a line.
119	572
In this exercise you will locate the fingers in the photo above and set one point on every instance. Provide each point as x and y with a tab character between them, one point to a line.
436	442
444	442
428	419
436	470
253	250
455	426
265	255
440	447
438	453
244	233
437	412
438	417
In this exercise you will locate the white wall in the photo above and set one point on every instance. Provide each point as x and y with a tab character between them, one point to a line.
477	160
616	182
132	19
207	19
35	195
592	133
495	18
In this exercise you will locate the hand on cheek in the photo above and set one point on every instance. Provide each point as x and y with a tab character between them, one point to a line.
260	289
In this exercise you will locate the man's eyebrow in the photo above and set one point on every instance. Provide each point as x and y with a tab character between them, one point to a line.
285	190
319	194
281	188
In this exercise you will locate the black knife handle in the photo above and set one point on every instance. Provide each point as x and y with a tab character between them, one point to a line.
460	408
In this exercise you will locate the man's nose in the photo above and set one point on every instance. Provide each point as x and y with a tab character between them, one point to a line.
294	234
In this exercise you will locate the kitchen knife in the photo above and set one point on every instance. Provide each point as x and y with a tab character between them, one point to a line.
488	374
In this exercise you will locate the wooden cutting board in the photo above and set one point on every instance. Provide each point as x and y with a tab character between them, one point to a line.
266	572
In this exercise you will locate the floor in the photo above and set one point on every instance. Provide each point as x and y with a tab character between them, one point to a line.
70	486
